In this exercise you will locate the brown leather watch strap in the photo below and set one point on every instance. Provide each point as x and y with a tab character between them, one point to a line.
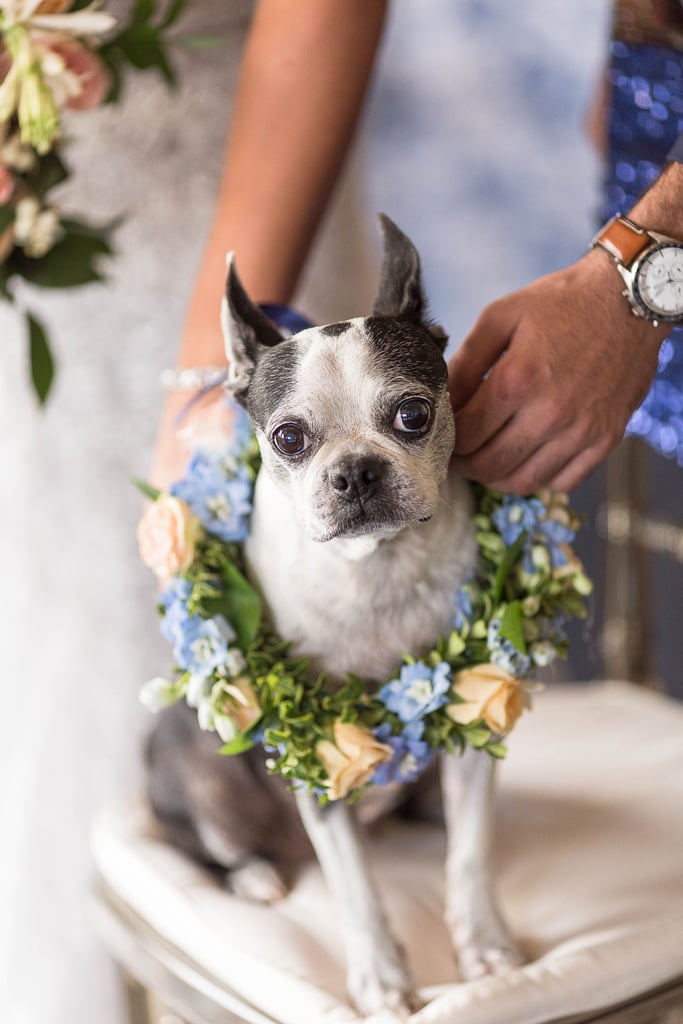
622	240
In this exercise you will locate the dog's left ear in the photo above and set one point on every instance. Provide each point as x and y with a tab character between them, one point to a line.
401	294
248	333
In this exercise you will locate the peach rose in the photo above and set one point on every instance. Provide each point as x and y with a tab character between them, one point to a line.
489	692
351	760
239	703
167	534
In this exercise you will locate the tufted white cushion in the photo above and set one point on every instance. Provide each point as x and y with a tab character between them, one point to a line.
589	861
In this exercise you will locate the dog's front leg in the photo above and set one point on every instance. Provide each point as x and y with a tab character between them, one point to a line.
478	932
377	977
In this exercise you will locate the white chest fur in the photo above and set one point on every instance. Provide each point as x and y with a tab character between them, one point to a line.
358	605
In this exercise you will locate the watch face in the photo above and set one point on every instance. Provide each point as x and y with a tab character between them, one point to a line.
659	282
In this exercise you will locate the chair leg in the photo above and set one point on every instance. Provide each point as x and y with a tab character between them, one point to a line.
625	641
144	1006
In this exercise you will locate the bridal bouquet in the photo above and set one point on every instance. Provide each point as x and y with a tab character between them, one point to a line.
58	57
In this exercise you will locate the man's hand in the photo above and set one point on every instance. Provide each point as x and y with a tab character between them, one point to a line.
544	384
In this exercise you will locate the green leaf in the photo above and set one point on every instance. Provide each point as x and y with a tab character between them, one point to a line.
149	492
241	742
5	293
71	262
141	46
176	8
6	217
456	644
506	565
239	603
195	42
42	363
497	750
477	737
511	626
143	11
49	172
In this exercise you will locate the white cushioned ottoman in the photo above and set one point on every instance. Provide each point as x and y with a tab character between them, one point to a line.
589	865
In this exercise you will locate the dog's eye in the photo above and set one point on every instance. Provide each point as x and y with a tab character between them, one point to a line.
290	439
413	416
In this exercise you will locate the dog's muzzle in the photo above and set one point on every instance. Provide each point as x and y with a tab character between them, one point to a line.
356	480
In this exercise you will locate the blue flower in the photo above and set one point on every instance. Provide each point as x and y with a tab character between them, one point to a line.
178	590
411	754
463	608
529	515
201	645
219	492
504	653
555	534
176	615
516	516
418	690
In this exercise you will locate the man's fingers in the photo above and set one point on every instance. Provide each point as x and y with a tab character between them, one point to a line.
576	471
530	450
480	350
560	460
506	393
549	462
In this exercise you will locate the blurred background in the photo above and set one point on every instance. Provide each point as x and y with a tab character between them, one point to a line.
474	142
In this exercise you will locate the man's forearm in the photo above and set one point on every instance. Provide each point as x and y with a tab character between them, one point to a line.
304	76
661	208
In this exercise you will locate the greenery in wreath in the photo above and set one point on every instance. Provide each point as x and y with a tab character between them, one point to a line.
244	683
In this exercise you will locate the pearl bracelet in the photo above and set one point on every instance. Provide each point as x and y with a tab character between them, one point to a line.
193	378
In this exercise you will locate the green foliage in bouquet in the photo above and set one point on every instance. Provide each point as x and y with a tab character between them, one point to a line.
57	57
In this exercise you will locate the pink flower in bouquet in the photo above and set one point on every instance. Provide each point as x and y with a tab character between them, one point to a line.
167	535
5	62
6	184
78	78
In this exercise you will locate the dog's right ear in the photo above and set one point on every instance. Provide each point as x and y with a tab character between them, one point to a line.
248	333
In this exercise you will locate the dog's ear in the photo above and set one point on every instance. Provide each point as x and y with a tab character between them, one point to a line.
247	331
401	294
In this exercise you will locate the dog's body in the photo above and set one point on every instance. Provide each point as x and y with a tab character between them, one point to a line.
360	536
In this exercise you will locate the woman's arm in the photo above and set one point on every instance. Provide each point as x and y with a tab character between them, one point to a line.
304	77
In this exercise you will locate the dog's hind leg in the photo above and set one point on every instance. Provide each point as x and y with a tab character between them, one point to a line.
377	977
478	932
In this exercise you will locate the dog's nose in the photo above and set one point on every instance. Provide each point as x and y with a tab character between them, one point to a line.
355	479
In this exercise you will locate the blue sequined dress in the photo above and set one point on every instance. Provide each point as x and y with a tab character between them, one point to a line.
646	118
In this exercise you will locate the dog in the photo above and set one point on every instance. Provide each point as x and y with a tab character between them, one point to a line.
361	533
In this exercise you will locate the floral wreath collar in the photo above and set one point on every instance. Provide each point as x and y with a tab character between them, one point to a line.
241	679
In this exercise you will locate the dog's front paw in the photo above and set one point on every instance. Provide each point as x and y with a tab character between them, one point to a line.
484	947
381	988
257	881
477	961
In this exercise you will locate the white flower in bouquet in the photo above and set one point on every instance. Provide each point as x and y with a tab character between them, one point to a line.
49	67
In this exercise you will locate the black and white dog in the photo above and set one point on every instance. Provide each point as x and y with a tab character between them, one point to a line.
360	536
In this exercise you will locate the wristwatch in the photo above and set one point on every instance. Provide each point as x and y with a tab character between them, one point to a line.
651	266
